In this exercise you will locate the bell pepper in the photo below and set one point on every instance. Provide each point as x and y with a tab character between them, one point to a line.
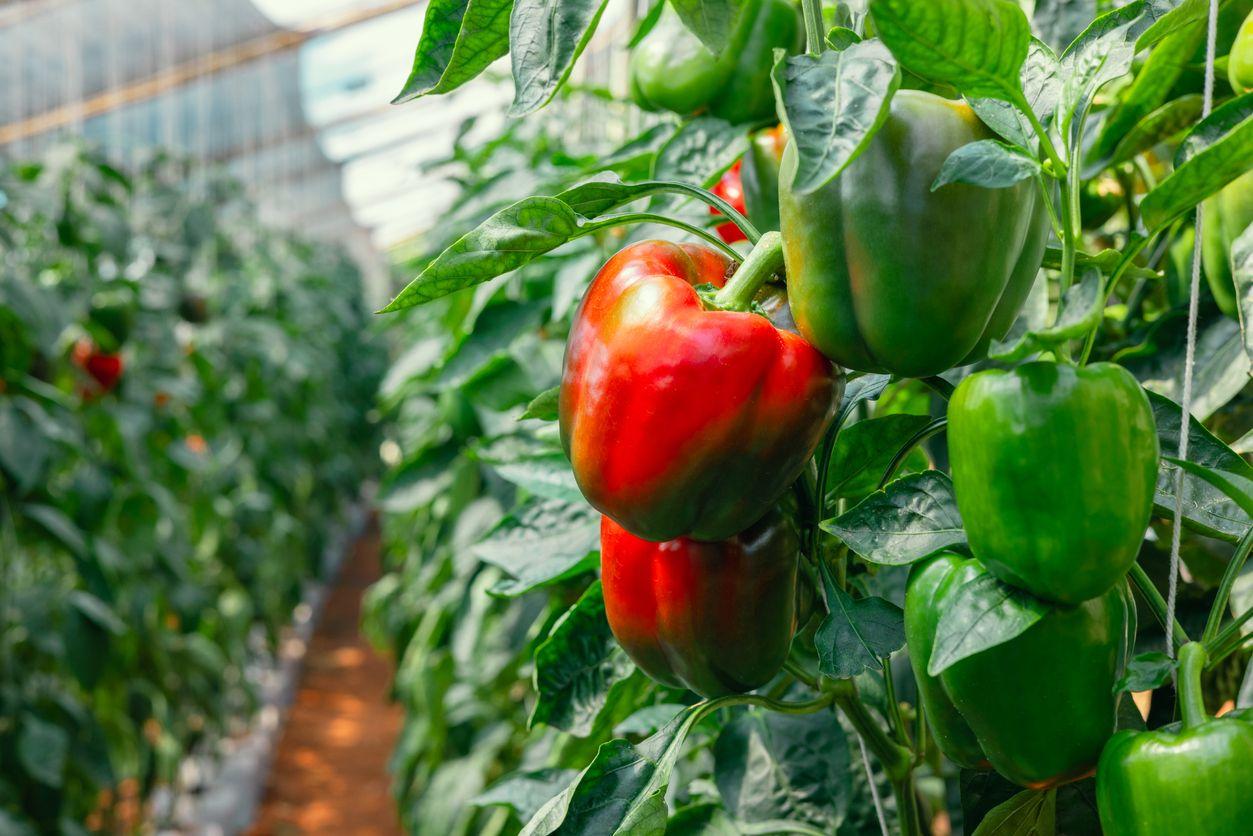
886	275
730	187
715	617
761	176
672	70
1240	60
1226	215
1054	469
1041	705
1196	779
105	368
950	729
681	421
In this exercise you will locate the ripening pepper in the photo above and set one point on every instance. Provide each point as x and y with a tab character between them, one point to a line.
1226	215
761	176
730	187
1054	469
681	421
886	275
672	70
105	368
1240	60
950	729
1196	779
1041	705
714	617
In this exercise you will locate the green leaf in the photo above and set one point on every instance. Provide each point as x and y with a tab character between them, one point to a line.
1106	261
1102	52
42	750
712	21
782	767
857	634
1214	153
1041	87
460	39
1080	311
640	148
579	668
538	467
912	518
987	163
1242	277
841	37
1145	672
1029	813
514	236
1205	507
546	37
1234	486
544	541
622	790
1160	125
525	792
982	613
978	46
864	450
97	611
496	329
24	447
1058	22
543	407
866	387
700	151
1184	15
832	105
58	525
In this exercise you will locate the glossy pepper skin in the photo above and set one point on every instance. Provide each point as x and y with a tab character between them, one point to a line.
680	421
885	275
951	731
1227	214
672	70
761	176
1054	469
1041	705
1197	779
103	367
715	617
1240	61
730	187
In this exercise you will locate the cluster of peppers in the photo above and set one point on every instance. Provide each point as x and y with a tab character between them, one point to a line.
687	416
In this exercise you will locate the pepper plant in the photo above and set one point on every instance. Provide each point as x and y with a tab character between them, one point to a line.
578	486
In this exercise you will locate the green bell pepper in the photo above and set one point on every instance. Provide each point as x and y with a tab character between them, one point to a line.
1041	705
1198	779
1054	469
1227	214
886	275
1240	61
671	69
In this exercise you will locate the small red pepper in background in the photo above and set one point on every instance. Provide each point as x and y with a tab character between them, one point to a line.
104	368
717	618
681	421
730	187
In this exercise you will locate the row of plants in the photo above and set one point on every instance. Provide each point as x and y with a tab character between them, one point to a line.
185	419
855	511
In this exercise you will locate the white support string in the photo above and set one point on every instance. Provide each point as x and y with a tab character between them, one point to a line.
1211	36
874	791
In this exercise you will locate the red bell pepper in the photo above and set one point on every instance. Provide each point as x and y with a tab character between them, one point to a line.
681	421
730	187
717	618
103	367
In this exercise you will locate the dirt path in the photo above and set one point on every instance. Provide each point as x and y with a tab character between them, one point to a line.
330	772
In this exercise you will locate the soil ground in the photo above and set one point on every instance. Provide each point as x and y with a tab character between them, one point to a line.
330	772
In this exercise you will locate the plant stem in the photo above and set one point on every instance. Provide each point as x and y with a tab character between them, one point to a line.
896	759
1224	637
651	218
1157	604
939	385
812	10
1048	205
895	720
1224	587
800	673
1223	649
764	261
705	196
807	707
1188	684
1046	142
907	805
1133	249
922	435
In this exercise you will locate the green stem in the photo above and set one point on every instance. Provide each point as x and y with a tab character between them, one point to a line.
793	667
1188	684
1223	649
812	10
922	435
705	196
651	218
907	805
1046	141
820	492
807	707
1231	631
1157	604
1128	256
1048	205
895	719
896	759
939	385
764	261
1224	587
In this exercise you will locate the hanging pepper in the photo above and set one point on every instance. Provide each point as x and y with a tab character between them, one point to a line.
681	421
1226	215
761	176
1041	705
1195	779
714	617
730	187
1054	468
886	275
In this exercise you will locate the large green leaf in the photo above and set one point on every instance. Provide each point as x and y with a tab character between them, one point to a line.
983	613
857	634
460	39
912	518
546	37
